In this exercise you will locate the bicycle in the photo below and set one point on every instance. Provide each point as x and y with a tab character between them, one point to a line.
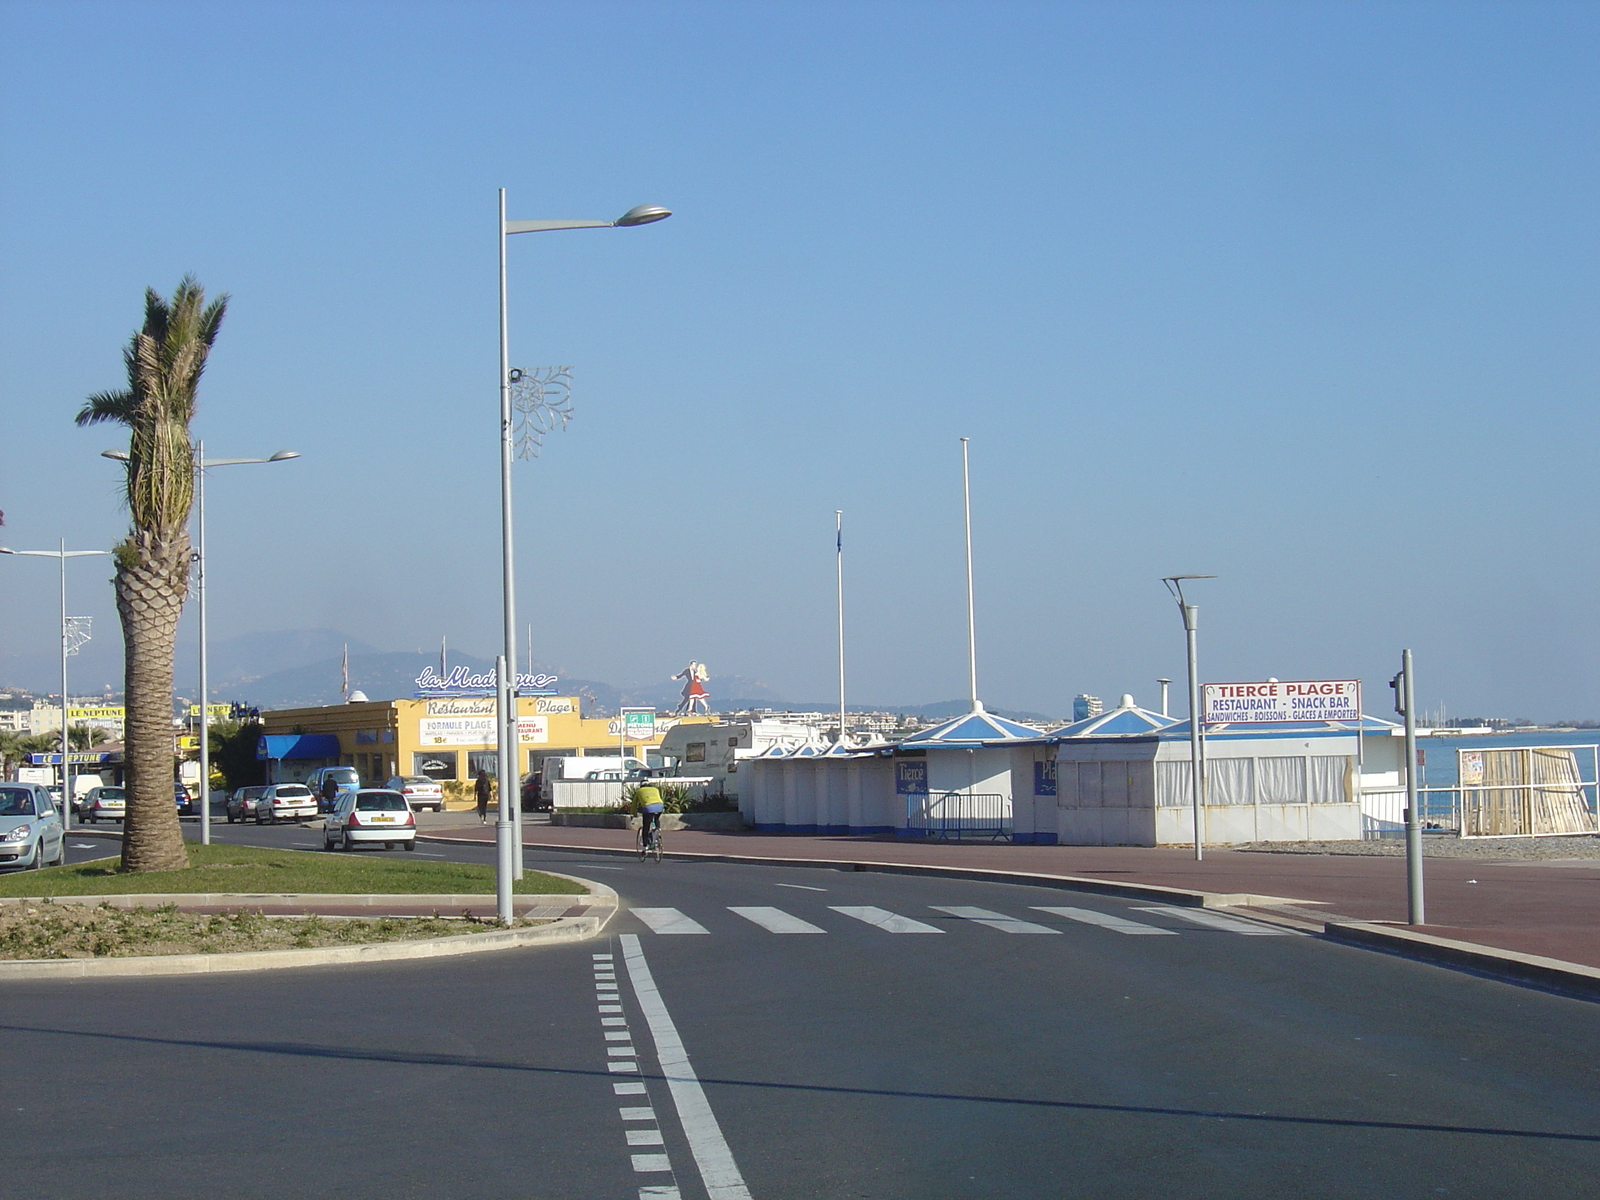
651	844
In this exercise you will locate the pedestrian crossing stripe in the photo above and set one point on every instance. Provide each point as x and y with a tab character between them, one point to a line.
667	921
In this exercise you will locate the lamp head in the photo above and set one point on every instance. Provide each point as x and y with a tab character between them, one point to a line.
643	214
119	455
281	455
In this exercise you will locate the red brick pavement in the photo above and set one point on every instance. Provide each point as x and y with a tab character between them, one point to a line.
1549	908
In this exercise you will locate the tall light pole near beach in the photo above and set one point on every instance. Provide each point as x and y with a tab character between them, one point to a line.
508	853
201	464
68	647
838	555
1191	625
972	627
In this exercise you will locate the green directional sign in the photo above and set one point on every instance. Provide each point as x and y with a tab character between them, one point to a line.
639	724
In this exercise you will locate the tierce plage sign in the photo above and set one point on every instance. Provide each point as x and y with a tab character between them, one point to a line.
462	682
1272	701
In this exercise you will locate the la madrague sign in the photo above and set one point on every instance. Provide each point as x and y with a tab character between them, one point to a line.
1276	701
463	682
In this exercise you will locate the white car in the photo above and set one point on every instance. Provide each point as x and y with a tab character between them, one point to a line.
372	815
285	802
419	791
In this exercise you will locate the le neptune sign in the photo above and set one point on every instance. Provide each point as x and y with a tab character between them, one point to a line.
462	682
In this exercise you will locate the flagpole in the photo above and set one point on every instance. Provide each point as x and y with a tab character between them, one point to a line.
838	543
972	635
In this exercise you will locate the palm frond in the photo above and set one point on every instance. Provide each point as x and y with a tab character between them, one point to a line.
108	406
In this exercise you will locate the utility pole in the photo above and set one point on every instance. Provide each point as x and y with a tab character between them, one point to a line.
1404	685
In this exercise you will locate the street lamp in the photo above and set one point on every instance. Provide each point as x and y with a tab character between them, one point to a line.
1191	622
508	851
66	648
201	463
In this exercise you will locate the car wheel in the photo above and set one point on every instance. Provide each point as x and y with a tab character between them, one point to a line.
38	863
411	845
61	854
347	844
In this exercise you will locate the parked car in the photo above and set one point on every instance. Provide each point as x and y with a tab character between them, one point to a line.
31	833
241	805
533	797
345	779
419	791
103	804
285	802
186	805
372	815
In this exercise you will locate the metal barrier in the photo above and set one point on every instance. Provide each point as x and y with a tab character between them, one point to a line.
959	815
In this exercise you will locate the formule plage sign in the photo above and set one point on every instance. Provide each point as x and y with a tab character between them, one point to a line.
462	682
1271	701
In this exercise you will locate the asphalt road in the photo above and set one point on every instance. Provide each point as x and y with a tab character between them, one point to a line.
826	1034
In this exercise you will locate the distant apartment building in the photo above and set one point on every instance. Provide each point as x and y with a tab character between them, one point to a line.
1085	706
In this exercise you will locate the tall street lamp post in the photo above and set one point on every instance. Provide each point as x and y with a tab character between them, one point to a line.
508	851
66	649
1191	625
201	464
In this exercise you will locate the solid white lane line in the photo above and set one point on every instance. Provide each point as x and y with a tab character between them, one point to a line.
668	920
884	919
775	919
1105	920
718	1171
804	887
993	920
1211	920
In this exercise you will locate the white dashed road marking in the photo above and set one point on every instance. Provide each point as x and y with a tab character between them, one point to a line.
993	920
776	920
1104	920
884	919
1212	920
668	920
718	1171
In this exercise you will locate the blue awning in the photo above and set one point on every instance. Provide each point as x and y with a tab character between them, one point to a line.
298	746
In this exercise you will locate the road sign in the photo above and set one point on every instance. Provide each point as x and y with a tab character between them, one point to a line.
1276	701
639	724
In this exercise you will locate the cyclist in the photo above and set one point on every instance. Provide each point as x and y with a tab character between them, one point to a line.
647	798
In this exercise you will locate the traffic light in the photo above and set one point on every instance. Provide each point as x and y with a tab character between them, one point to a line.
1401	700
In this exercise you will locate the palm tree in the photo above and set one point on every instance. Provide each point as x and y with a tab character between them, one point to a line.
164	361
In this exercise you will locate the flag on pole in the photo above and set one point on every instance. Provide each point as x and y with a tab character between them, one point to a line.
344	672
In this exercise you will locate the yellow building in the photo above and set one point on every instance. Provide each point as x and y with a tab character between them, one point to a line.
447	739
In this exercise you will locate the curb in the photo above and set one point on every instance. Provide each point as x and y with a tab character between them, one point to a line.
439	900
1551	974
1180	897
564	929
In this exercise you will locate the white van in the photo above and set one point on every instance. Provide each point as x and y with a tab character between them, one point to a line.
567	768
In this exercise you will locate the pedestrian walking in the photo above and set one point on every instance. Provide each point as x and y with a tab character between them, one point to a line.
482	788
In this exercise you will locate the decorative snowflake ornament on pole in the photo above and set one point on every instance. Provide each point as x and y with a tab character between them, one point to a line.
542	400
77	633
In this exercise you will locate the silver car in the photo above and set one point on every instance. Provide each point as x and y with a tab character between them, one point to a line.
31	834
104	804
285	802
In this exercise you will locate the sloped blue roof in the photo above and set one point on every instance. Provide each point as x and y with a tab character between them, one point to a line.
971	729
1127	718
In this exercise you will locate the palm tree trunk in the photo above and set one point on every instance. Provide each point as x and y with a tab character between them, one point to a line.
152	581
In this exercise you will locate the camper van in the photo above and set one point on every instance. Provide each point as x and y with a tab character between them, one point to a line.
716	750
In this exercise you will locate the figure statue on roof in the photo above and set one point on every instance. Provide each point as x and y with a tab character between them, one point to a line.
694	689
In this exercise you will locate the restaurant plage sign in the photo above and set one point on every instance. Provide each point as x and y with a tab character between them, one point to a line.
464	682
1278	701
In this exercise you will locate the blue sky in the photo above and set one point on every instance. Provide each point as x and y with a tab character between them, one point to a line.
1302	295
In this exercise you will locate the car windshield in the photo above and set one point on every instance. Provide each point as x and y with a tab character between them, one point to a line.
294	790
342	775
381	802
418	782
111	793
16	802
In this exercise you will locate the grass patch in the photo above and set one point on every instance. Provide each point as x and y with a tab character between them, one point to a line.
59	931
217	868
